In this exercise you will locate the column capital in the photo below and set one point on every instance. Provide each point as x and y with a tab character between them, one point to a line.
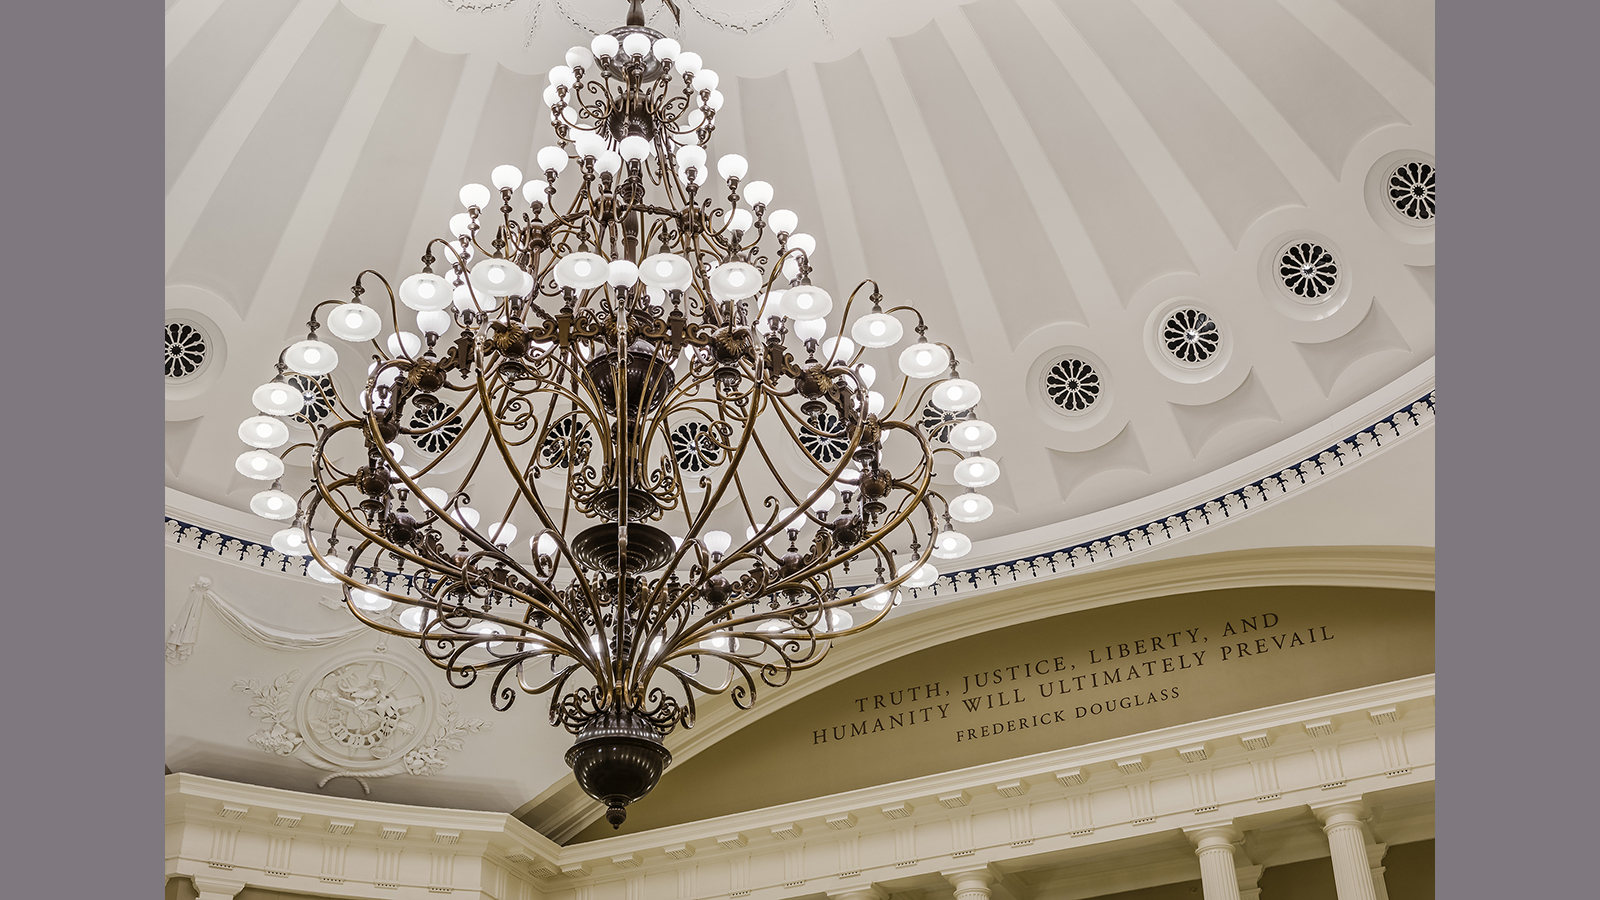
1215	834
971	878
212	888
1375	854
1351	811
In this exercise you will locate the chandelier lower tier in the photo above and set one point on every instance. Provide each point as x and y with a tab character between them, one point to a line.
629	453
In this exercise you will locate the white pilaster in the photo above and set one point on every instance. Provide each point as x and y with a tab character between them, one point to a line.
1347	844
1214	844
1248	877
1375	854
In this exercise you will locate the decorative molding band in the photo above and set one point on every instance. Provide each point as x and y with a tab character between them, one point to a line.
496	854
1085	554
1161	530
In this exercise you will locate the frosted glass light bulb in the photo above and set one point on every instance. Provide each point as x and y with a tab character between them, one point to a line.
581	268
956	395
636	44
783	221
732	166
717	542
553	158
924	576
461	224
634	147
474	195
533	191
706	80
741	220
689	62
603	46
758	193
803	242
622	273
545	544
580	58
809	329
608	163
971	436
971	507
977	472
502	533
665	49
588	144
691	157
562	76
714	102
435	321
880	599
354	322
404	343
837	349
507	177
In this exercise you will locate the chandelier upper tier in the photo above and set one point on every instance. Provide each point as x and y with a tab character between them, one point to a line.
643	456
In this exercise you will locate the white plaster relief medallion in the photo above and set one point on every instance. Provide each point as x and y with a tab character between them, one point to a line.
364	716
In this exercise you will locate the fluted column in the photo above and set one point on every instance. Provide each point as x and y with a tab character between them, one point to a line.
972	884
1347	844
216	888
1214	844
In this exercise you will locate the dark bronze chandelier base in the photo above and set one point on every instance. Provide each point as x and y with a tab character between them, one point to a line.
649	548
617	759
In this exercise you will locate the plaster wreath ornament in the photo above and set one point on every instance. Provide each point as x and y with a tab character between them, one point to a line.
682	480
361	718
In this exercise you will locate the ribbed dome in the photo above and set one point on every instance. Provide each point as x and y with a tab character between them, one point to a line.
1050	181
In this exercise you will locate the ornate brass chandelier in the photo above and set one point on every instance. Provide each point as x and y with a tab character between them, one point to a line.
627	368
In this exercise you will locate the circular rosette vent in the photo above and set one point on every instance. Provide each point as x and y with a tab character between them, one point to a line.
435	437
1308	270
1073	385
187	350
695	447
1191	337
1410	190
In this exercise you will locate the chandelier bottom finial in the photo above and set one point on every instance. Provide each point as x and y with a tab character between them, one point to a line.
617	759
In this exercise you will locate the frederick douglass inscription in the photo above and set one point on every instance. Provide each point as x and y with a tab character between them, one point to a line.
1057	690
1062	681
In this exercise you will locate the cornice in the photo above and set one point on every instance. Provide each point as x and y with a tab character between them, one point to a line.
1008	812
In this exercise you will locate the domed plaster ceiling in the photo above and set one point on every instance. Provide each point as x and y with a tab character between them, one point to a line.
1047	179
